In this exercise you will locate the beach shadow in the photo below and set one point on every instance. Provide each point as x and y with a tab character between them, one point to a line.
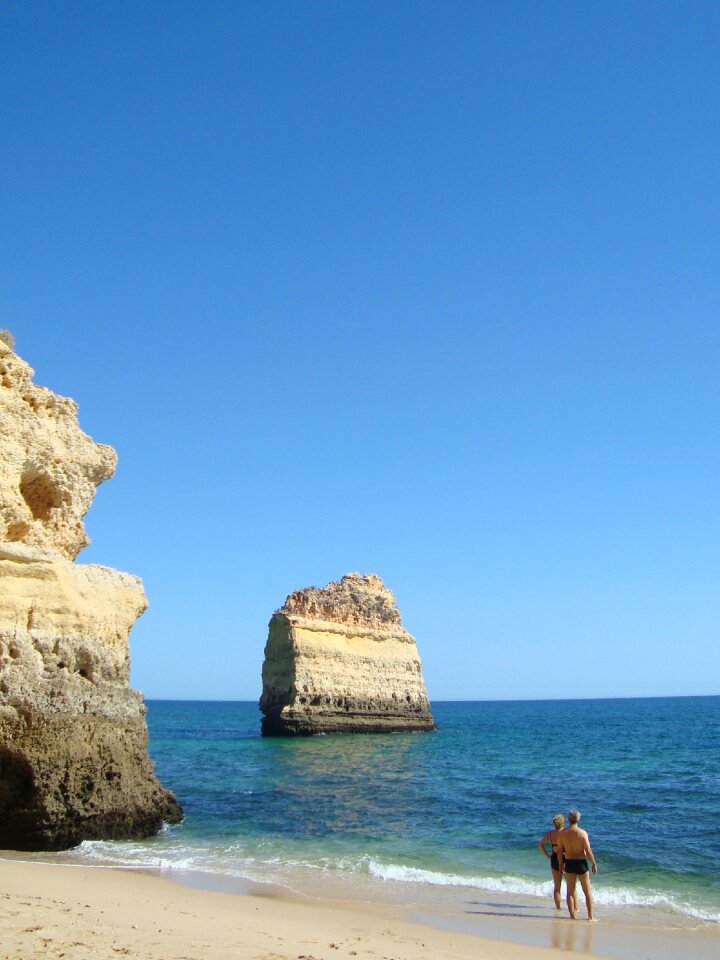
489	903
510	912
507	910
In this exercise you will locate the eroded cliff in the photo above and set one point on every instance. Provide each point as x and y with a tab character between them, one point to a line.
73	736
338	660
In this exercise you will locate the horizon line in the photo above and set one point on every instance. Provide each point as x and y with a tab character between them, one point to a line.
666	696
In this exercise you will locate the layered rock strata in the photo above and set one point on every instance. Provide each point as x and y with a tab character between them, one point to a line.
338	660
73	736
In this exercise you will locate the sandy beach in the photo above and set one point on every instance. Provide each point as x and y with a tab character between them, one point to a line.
74	912
79	912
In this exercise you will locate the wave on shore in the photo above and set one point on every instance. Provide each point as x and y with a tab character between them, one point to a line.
609	895
233	863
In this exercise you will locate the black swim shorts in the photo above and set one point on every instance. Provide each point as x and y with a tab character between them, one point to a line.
576	866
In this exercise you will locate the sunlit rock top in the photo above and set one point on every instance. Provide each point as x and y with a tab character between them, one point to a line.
49	468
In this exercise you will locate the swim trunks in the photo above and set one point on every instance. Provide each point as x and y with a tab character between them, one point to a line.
576	866
554	861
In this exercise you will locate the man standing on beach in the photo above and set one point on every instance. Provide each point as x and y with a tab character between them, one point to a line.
574	843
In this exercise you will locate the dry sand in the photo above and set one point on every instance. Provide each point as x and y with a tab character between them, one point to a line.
72	912
52	910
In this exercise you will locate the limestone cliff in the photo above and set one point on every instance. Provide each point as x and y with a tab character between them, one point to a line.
73	736
49	468
338	660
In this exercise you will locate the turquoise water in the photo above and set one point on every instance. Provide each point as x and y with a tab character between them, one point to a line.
460	807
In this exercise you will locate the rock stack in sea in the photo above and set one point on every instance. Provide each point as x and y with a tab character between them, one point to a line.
73	736
338	660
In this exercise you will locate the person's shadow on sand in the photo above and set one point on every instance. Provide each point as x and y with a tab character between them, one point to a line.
505	910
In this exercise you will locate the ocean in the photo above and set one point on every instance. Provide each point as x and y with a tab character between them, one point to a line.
415	815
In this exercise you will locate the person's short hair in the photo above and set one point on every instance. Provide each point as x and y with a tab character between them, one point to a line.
559	820
574	816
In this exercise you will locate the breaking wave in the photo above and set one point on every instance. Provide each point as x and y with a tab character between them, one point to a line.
233	862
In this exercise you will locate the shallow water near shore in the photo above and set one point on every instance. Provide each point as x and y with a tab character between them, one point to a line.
447	823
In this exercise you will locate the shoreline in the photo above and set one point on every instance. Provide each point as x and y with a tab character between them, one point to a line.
64	909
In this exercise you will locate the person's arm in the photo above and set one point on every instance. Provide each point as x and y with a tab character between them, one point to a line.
541	843
589	854
560	850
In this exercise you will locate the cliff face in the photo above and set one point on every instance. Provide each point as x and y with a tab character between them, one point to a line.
73	737
338	660
49	468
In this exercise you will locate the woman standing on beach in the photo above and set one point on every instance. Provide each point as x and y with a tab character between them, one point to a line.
551	837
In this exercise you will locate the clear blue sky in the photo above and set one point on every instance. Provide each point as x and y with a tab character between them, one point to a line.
424	289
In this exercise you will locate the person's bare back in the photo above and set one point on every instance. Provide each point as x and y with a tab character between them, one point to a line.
574	844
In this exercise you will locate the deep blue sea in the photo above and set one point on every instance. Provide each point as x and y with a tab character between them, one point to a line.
461	807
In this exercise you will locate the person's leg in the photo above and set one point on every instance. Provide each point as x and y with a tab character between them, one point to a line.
570	881
587	890
557	881
575	903
574	894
